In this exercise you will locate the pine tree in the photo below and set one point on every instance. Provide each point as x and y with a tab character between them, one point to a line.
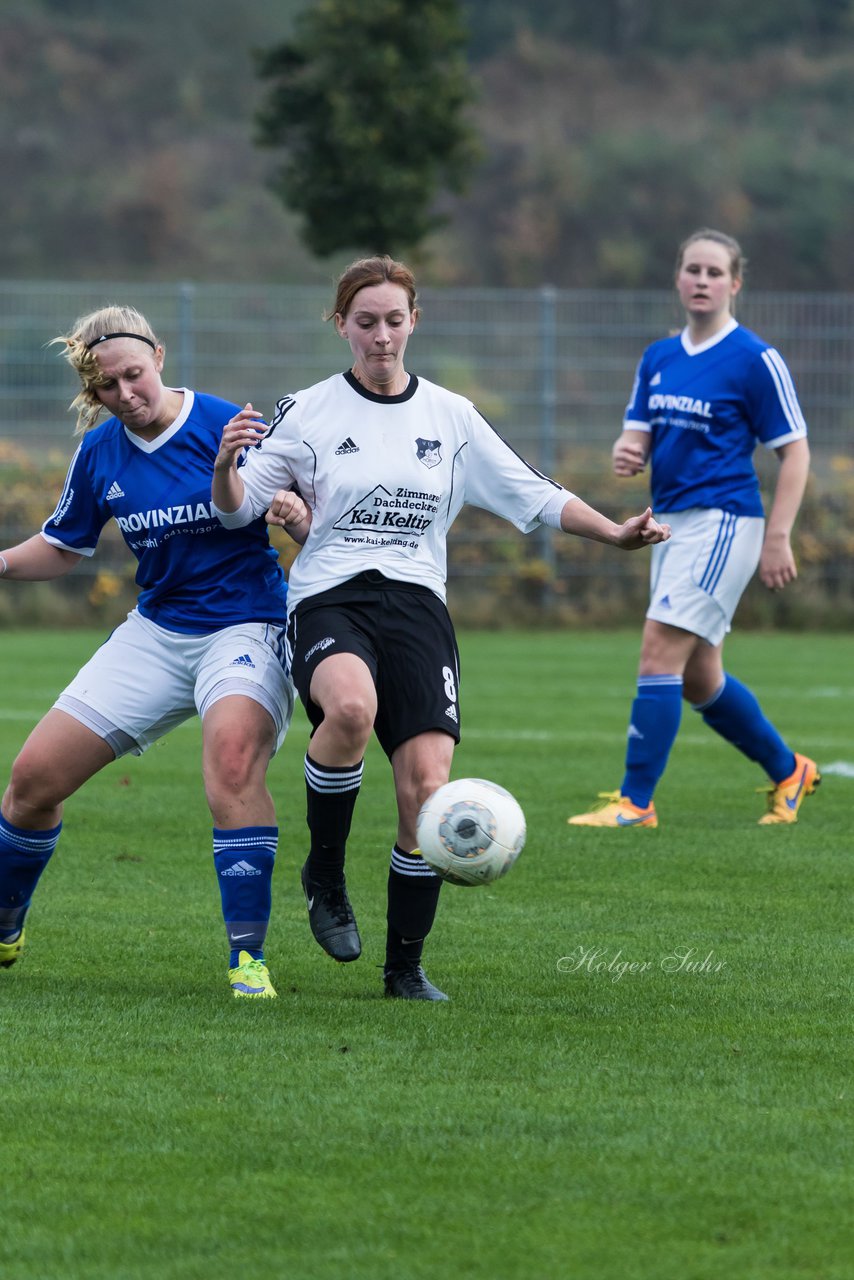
368	101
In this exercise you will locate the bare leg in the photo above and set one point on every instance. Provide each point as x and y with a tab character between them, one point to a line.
57	758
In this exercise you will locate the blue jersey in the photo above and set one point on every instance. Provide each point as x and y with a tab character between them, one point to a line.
195	575
706	407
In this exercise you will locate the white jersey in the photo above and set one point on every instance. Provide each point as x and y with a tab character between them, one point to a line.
385	478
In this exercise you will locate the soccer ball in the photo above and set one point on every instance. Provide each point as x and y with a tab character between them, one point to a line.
470	831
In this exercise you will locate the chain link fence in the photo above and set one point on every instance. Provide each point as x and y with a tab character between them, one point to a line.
551	369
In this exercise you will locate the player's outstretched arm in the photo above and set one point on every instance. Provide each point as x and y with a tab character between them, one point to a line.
36	560
290	512
241	432
639	531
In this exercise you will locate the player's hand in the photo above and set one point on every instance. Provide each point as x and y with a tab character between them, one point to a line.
242	431
641	531
777	566
290	512
628	457
287	508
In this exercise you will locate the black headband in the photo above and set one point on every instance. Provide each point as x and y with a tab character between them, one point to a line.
105	337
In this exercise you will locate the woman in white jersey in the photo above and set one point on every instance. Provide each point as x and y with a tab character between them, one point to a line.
701	402
384	460
207	634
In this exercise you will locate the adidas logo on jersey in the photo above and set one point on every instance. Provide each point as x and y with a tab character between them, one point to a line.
451	713
243	661
115	491
241	869
655	380
347	446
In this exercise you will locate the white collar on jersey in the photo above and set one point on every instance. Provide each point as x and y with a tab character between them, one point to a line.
151	446
731	324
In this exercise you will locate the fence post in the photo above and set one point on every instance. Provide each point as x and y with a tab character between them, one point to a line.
548	403
186	334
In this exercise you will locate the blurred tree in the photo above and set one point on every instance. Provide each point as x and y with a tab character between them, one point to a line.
368	102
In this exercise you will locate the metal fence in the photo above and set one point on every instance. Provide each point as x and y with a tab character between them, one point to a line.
551	369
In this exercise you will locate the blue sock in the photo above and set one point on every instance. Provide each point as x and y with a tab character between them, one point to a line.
736	715
23	857
244	860
656	713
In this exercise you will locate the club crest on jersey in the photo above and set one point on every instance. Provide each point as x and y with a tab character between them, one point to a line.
428	452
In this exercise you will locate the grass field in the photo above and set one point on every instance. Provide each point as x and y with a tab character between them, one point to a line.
644	1072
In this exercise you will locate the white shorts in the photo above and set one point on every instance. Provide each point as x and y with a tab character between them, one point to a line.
698	577
144	680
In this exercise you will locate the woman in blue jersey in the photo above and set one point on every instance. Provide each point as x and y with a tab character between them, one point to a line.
385	460
701	403
206	636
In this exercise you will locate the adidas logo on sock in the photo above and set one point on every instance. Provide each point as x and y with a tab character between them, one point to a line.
633	732
241	869
243	661
451	713
115	491
347	446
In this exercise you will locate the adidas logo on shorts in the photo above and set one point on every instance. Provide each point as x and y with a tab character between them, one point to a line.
243	661
451	713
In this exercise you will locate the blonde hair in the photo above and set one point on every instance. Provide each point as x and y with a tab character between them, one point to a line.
85	333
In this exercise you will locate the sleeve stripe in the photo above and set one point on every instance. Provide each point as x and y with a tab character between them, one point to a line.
785	390
68	478
524	461
282	407
635	386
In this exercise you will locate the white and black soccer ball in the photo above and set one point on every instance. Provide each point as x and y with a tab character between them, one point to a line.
471	831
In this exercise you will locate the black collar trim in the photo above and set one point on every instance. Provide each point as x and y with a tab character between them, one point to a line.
354	382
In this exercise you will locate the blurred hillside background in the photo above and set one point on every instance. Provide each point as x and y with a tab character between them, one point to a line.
609	128
605	132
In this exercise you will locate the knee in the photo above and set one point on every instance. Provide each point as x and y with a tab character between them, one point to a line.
31	790
351	718
657	659
422	782
234	765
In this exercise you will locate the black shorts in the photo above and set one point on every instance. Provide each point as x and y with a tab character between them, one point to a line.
405	635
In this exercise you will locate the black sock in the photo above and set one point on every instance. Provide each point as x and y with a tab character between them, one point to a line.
331	792
413	896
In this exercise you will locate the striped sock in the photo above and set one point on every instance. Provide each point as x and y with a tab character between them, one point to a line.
331	793
656	714
244	858
413	896
23	857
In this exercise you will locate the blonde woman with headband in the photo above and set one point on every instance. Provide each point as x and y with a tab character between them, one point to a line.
206	636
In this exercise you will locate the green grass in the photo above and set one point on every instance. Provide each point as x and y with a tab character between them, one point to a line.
561	1117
